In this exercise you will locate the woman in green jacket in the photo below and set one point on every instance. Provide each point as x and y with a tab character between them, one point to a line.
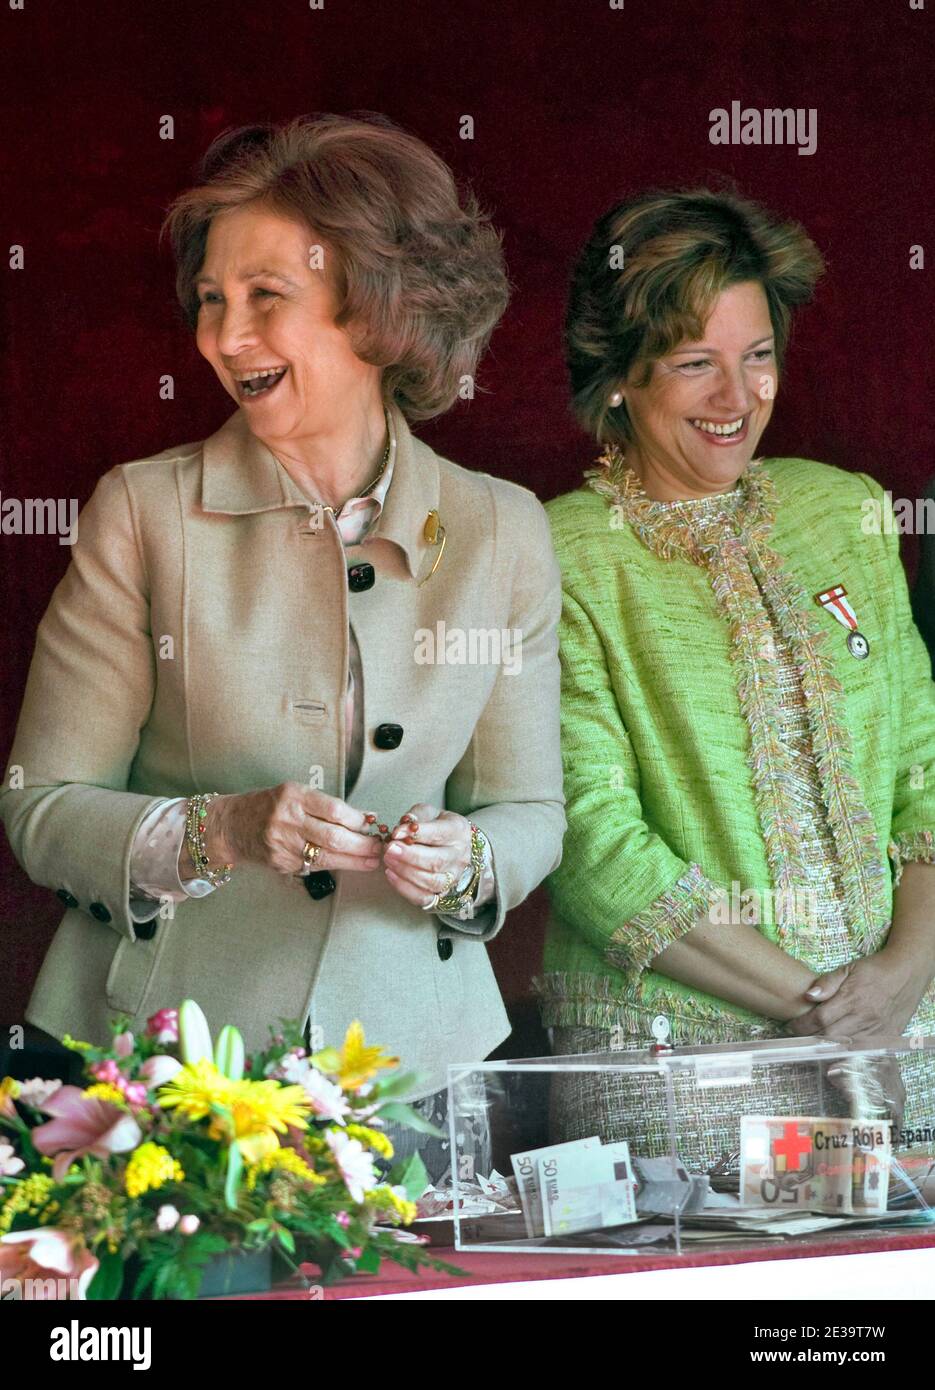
748	718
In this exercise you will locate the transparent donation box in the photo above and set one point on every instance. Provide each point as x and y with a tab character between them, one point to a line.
676	1150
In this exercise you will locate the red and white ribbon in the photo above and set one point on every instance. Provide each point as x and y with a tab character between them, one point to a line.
836	601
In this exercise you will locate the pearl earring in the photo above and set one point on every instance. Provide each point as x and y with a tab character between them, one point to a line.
617	398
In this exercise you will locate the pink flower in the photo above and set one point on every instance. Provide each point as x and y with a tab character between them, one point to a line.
189	1225
83	1125
31	1254
354	1163
159	1070
164	1026
343	1219
123	1044
353	1252
135	1093
167	1217
36	1092
9	1163
107	1071
328	1100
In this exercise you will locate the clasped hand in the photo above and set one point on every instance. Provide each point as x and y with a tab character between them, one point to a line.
864	1004
426	852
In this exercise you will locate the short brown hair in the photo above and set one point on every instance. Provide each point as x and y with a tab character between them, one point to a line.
419	278
648	277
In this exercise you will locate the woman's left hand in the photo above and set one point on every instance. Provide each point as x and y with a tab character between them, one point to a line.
437	858
866	1003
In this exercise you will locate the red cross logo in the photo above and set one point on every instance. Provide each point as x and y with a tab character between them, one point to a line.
791	1147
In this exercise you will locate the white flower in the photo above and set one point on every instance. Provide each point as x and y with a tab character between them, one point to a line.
36	1092
8	1163
328	1100
160	1069
354	1162
189	1225
167	1217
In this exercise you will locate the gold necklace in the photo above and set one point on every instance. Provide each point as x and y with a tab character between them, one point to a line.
370	486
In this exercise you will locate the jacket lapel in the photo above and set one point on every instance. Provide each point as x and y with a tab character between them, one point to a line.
241	475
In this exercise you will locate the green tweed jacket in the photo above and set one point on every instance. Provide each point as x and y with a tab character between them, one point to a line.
677	785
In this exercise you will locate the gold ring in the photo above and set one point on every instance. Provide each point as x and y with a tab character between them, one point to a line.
310	853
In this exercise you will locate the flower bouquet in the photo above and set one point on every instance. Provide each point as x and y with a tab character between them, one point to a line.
177	1153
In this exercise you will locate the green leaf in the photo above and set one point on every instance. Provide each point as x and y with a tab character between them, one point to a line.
398	1086
234	1170
327	1060
163	1274
203	1244
339	1235
405	1114
369	1261
286	1239
146	1276
108	1278
144	1279
411	1174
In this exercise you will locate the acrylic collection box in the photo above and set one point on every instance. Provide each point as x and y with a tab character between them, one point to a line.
675	1150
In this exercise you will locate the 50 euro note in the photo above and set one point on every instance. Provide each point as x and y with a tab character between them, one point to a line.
526	1172
815	1163
588	1189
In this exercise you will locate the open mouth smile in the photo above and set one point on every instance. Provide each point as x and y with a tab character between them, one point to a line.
258	382
723	432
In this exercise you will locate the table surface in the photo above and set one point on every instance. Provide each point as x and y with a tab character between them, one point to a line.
488	1268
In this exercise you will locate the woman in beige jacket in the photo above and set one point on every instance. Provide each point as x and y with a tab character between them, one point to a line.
308	626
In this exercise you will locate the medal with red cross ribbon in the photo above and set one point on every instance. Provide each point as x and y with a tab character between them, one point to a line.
836	602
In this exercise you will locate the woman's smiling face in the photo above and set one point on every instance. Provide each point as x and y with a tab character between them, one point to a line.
263	308
697	423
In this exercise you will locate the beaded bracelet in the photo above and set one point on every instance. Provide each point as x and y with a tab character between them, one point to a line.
451	901
195	814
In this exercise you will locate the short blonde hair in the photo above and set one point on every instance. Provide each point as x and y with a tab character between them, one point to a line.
420	279
648	277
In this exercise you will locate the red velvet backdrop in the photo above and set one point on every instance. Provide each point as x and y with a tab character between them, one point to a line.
575	103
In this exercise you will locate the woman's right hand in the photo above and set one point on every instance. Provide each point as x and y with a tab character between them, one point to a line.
270	827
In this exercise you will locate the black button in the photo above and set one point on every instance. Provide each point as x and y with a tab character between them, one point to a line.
319	885
360	577
67	898
388	735
444	947
99	911
145	931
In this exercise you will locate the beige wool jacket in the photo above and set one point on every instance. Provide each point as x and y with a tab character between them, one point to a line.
199	642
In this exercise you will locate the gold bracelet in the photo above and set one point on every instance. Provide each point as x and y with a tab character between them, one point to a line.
452	901
195	815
